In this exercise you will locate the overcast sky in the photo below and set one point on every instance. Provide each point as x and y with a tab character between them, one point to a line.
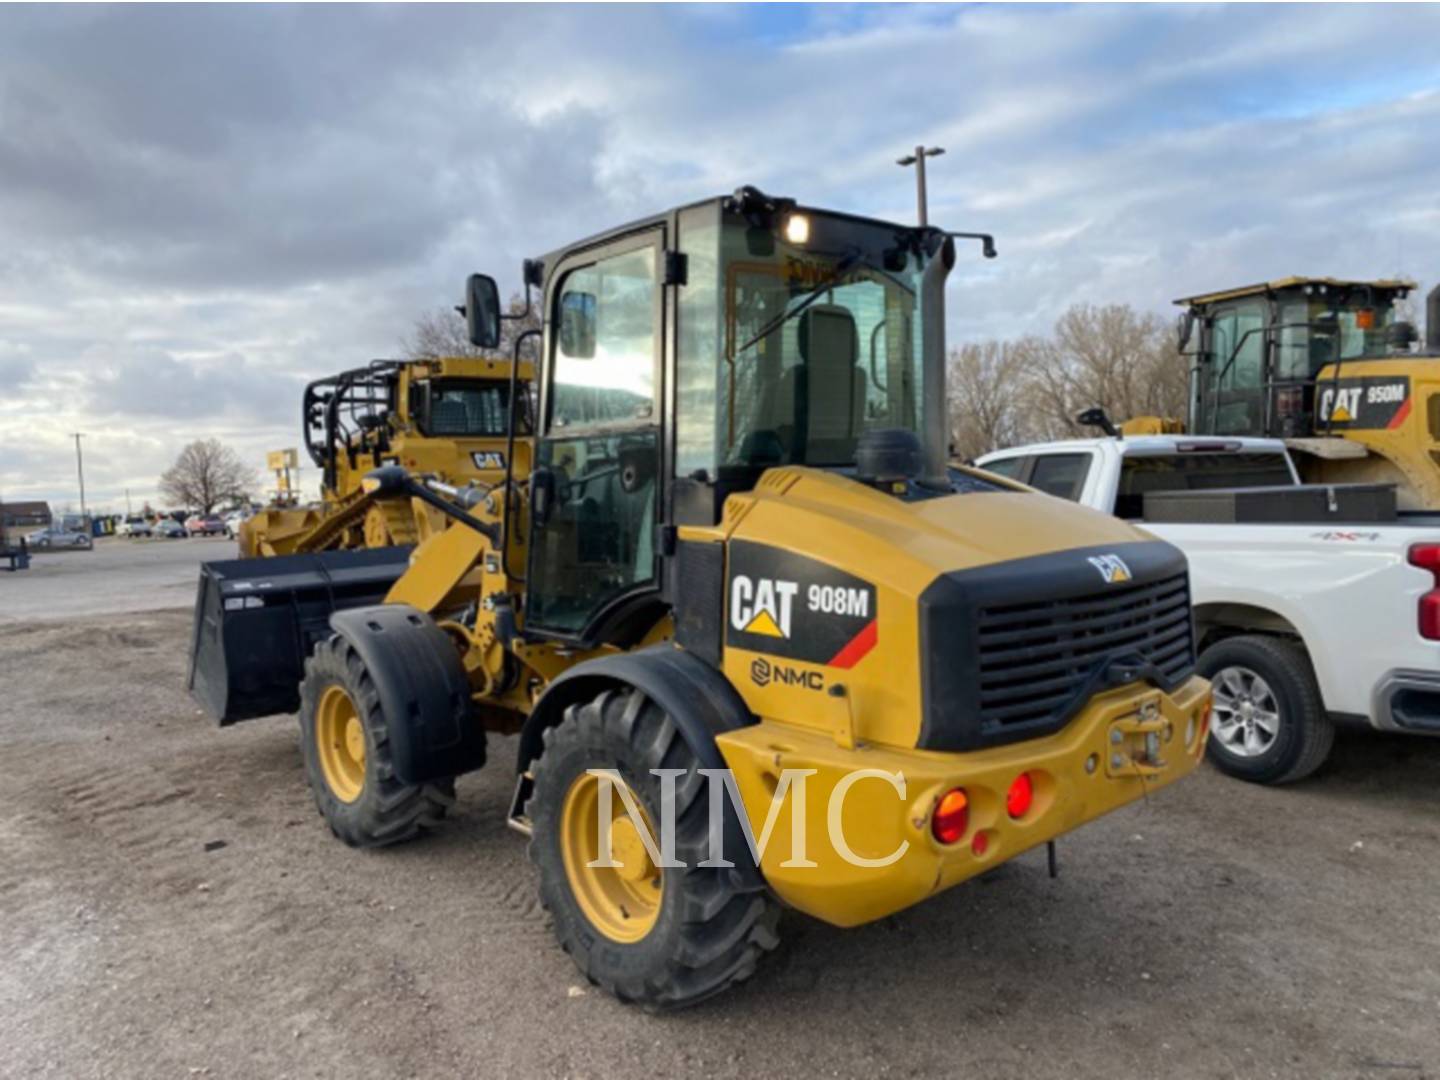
203	208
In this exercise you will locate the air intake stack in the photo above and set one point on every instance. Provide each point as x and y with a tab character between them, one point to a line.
1432	321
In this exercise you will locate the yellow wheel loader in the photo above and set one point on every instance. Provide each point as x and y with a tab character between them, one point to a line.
448	418
760	646
1328	366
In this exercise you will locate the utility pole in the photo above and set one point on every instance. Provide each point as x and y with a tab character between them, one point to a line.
918	160
80	472
127	502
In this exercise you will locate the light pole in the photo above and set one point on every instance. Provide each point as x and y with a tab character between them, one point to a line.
918	160
80	472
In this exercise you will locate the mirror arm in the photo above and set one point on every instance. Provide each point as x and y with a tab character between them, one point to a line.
987	241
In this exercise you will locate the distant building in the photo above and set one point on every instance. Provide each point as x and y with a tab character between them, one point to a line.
24	515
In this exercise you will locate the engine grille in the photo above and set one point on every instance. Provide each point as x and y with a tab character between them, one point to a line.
1036	658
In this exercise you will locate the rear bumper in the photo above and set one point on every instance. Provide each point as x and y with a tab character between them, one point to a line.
1408	701
1098	762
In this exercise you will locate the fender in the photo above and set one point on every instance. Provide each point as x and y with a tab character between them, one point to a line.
698	699
423	690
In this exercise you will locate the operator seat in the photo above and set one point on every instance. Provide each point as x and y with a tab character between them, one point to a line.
825	392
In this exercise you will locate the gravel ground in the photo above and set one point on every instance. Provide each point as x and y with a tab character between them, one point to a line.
171	905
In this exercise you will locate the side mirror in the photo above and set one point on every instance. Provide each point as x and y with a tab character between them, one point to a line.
577	325
386	480
542	496
1184	328
482	311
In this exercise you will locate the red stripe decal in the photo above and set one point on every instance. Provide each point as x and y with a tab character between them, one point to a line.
1400	415
857	646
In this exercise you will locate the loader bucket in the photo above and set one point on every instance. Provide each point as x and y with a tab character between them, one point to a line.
257	620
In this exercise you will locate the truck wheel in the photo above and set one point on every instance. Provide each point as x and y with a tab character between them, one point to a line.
345	741
662	937
1269	724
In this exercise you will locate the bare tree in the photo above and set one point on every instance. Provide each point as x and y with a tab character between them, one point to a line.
1110	356
441	332
206	474
986	383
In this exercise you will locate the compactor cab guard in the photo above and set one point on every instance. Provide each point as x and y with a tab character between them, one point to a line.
1328	365
759	645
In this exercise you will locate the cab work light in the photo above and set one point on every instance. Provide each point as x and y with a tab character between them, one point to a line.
1427	557
951	817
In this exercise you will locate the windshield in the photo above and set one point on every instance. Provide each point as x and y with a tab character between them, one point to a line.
1316	331
818	340
469	407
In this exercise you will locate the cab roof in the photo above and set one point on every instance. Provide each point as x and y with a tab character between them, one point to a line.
1148	444
1390	285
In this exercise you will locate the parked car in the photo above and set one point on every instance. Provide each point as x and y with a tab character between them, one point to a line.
233	521
170	529
135	526
205	525
57	536
1325	609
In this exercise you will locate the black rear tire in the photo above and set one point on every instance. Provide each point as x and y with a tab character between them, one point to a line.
386	810
1304	734
709	933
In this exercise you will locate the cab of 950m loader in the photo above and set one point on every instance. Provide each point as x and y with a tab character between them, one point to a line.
759	644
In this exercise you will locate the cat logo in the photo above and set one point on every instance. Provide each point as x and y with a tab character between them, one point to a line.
488	459
762	606
1112	568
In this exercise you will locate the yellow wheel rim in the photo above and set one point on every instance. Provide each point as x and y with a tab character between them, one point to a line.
621	901
340	741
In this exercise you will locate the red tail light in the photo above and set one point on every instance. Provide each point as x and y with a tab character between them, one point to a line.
1020	796
1427	557
951	817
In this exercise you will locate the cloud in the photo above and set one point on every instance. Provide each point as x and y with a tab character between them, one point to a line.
205	206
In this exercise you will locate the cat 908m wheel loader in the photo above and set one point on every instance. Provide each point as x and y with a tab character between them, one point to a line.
760	646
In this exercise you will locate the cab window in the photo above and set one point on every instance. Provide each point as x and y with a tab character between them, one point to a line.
605	351
1061	475
1009	467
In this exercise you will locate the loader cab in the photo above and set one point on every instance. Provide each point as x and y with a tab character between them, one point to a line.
1258	351
687	354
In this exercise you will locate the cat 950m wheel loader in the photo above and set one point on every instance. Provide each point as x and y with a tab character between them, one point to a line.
759	646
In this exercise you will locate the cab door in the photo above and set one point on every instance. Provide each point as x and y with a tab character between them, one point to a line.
592	561
1235	375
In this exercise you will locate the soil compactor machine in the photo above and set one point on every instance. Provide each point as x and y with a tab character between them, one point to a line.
738	595
448	418
1329	366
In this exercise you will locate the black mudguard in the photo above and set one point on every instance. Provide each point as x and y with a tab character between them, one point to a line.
423	690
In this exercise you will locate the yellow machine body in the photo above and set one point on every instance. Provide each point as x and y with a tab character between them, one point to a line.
406	434
732	554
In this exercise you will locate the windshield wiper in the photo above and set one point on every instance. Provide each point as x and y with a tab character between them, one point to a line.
843	267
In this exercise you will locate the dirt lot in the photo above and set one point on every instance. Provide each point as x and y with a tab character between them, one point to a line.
170	905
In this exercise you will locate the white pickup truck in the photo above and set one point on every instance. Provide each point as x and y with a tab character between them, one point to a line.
1300	624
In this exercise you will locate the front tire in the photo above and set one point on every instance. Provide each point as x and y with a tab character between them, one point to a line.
1269	723
661	937
345	741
